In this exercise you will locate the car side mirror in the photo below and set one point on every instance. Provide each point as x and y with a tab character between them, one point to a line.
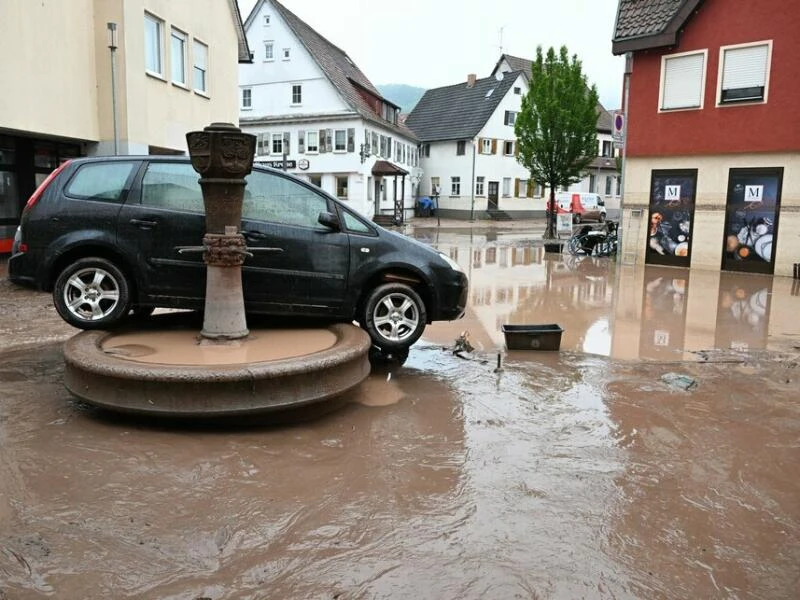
329	219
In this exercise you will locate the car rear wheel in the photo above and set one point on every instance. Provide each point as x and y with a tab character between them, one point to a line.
92	293
394	316
601	218
576	219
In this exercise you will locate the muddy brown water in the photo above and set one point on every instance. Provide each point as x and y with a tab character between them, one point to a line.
572	474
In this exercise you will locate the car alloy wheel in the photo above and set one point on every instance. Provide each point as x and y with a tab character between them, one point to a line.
395	316
92	293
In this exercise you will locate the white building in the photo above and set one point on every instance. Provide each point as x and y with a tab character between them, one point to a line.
468	149
319	117
603	176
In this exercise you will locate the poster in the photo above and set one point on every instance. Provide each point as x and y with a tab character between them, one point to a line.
671	216
751	220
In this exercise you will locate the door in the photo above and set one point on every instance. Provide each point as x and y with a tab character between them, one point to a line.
671	217
494	187
751	220
298	266
164	213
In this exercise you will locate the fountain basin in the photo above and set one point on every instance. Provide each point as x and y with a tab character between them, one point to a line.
176	373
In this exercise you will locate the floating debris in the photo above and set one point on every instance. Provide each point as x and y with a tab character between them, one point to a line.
676	380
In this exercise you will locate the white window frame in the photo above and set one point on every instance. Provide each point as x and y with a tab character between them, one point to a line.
309	145
523	188
346	179
247	94
286	54
506	191
176	35
721	73
273	138
662	85
455	185
480	181
269	50
486	146
336	147
200	50
159	24
505	146
299	88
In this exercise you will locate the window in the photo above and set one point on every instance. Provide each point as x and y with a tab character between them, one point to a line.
461	148
297	94
277	143
287	53
178	57
173	186
353	223
426	150
508	148
200	52
435	187
486	146
153	51
479	181
608	185
506	186
522	191
275	199
607	149
592	182
455	186
682	80
269	50
312	142
375	145
743	73
619	185
247	98
266	20
339	140
341	186
262	144
316	180
517	91
510	117
100	181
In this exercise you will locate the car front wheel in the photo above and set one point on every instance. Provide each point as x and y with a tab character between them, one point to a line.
394	316
92	293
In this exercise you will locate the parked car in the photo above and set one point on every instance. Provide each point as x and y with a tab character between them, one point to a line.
103	235
584	206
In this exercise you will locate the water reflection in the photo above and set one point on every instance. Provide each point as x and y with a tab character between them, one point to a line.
644	312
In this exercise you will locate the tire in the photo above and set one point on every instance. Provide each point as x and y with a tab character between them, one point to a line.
575	246
380	358
576	218
601	218
92	293
394	316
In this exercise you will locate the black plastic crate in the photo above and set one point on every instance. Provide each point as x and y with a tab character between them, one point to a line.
533	337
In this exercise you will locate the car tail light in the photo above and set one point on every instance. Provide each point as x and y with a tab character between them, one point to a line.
43	186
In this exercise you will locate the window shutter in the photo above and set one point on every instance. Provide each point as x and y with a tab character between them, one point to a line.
367	147
260	144
744	69
494	146
321	141
329	140
516	187
351	140
516	148
301	142
683	82
286	138
529	191
505	118
480	145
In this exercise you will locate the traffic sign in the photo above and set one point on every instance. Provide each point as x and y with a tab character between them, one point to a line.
618	130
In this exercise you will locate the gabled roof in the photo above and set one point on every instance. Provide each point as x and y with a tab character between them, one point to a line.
340	70
457	112
244	50
644	24
604	119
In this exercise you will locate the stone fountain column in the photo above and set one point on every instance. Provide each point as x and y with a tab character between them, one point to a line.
223	156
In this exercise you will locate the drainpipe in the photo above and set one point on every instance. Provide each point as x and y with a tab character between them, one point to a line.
112	46
626	94
472	205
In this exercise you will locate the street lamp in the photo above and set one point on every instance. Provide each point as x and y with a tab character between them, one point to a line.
112	46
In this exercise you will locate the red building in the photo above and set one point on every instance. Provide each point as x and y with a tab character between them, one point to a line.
712	173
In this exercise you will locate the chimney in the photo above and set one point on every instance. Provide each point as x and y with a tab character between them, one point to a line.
471	80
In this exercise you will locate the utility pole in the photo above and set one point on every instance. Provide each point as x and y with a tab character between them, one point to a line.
112	46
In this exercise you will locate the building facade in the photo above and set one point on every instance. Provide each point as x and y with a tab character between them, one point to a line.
173	68
712	173
319	117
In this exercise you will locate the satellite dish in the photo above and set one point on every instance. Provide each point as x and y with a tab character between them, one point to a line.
499	76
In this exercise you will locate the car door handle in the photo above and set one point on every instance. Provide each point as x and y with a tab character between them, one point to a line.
143	223
254	235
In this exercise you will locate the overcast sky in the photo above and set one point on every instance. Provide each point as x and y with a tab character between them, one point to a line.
433	43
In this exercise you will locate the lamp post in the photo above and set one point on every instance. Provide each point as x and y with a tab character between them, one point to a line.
112	46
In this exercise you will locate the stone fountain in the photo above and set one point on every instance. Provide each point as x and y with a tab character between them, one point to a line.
170	369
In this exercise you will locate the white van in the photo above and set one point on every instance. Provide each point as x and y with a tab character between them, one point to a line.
584	206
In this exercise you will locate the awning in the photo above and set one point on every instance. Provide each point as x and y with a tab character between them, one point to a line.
384	167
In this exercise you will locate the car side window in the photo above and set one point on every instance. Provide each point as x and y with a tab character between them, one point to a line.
270	197
353	223
100	181
173	186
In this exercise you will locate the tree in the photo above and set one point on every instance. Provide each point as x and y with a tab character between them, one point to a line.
556	128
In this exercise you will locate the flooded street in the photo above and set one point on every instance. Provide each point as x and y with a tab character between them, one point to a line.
656	456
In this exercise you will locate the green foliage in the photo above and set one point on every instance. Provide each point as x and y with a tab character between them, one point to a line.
557	127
